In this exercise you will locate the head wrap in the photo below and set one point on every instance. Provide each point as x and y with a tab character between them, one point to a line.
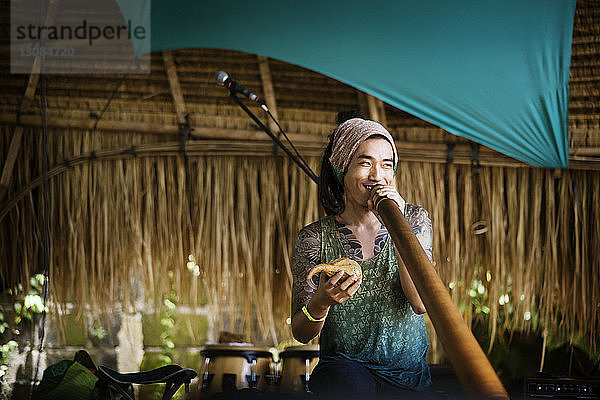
348	136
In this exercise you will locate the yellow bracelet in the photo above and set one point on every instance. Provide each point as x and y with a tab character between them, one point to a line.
310	317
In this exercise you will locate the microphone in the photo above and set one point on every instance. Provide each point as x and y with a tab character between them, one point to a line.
223	79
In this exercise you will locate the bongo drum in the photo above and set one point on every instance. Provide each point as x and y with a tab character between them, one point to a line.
298	363
229	367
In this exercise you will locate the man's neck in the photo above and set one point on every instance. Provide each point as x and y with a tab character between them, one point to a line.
358	217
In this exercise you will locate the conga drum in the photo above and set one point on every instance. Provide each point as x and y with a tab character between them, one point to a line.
298	363
228	368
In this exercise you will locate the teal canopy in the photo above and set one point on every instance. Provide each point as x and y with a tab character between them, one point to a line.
494	71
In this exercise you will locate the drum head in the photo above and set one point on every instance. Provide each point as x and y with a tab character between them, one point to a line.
248	351
304	347
308	351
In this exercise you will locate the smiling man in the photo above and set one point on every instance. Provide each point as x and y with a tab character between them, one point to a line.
373	339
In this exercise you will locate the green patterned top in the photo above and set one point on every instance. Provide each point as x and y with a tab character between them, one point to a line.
377	326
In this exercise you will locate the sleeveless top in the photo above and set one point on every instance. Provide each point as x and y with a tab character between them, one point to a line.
376	326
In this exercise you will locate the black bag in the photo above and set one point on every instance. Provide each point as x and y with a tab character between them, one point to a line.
79	379
74	380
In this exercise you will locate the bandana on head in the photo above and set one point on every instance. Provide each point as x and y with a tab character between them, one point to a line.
348	136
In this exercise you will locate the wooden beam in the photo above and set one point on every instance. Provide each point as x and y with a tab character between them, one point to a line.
34	78
376	110
363	103
432	152
13	150
154	128
585	151
175	86
269	91
17	139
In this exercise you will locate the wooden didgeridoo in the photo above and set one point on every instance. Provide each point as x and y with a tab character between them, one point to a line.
470	364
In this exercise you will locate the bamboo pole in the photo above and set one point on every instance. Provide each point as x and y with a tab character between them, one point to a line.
585	151
126	127
15	143
269	91
431	152
376	110
175	86
472	367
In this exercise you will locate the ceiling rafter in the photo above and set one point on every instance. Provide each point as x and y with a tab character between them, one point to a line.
17	139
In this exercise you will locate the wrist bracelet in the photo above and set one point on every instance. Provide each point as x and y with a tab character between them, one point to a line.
310	317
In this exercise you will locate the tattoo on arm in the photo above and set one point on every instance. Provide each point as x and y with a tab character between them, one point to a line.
306	254
420	222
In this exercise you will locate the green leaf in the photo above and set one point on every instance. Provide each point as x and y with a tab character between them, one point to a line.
37	281
165	359
167	322
98	332
169	304
34	303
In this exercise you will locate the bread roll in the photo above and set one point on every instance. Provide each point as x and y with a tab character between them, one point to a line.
350	267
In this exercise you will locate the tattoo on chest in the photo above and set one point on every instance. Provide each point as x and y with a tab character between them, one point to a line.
380	239
351	244
353	247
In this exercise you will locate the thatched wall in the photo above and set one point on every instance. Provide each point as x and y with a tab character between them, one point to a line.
125	219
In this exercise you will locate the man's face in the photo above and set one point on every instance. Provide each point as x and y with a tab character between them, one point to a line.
371	165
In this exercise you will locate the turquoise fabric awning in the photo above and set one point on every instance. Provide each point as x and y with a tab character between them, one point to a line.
494	71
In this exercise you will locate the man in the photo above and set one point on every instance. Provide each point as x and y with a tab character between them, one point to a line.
373	338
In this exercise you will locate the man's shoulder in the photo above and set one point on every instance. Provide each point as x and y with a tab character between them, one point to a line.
308	243
309	236
311	229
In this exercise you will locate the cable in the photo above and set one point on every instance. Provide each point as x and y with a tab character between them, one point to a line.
258	122
112	95
291	144
46	225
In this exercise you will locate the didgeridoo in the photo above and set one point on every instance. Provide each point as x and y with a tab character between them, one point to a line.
470	364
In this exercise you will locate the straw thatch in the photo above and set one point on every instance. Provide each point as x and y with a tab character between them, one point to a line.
128	208
116	223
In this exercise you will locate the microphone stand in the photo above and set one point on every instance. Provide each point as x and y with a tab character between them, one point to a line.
275	138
